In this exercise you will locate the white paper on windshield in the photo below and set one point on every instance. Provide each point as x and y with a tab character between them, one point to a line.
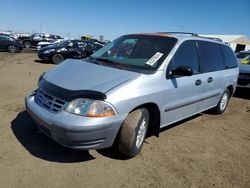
154	58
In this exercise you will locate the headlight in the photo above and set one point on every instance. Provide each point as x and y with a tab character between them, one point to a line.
90	108
40	78
48	51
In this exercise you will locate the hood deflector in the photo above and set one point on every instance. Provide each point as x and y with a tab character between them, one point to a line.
69	95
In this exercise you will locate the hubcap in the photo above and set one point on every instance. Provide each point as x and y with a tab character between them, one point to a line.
58	59
223	102
12	49
141	133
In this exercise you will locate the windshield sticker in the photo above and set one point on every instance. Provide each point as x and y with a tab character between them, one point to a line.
154	58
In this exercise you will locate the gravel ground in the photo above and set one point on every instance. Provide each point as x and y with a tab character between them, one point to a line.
203	151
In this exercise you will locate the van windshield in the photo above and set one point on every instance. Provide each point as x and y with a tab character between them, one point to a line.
137	51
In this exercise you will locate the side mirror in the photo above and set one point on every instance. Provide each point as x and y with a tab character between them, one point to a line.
182	71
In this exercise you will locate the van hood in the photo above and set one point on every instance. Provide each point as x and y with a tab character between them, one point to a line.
82	75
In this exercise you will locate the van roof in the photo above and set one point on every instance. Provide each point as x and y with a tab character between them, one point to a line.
180	35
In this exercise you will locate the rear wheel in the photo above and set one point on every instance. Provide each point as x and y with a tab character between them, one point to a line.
57	58
27	44
222	104
12	48
133	132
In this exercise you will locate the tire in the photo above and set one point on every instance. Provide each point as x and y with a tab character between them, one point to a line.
57	58
12	48
27	44
222	104
133	132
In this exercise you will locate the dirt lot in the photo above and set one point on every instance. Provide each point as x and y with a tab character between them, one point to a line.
204	151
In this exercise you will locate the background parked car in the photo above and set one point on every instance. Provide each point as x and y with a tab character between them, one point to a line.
47	43
34	39
244	76
242	54
10	44
91	48
66	49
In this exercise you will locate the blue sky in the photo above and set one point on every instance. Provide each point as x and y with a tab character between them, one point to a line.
113	18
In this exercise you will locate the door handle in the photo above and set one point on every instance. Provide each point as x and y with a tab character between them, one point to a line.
198	82
210	79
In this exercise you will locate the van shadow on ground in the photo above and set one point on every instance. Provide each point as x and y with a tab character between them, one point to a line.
40	145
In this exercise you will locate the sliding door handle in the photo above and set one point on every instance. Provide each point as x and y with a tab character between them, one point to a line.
198	82
210	79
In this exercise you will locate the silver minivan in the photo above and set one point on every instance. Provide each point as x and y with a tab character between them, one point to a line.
133	87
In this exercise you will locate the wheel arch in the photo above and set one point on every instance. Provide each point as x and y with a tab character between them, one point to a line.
231	90
154	118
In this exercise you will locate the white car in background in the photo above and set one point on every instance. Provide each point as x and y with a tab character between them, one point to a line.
47	43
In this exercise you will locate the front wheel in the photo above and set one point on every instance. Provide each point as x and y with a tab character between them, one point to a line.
57	58
133	132
222	104
12	48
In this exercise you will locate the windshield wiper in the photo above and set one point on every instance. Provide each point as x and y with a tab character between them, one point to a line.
110	61
93	60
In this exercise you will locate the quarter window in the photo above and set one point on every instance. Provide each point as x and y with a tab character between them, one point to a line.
229	57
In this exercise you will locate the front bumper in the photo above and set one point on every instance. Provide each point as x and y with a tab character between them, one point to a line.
74	131
44	56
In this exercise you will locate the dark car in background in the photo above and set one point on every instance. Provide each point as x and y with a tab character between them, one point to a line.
10	44
244	76
90	48
242	54
33	40
75	49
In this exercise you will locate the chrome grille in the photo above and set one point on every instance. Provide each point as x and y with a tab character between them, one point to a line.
49	102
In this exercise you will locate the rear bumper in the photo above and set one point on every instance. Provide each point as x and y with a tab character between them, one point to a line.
74	131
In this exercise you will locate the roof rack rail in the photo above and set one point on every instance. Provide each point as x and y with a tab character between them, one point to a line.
212	38
183	33
193	34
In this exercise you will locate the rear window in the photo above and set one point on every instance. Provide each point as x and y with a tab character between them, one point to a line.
229	57
211	56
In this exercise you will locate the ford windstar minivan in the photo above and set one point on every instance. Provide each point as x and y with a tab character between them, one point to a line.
132	87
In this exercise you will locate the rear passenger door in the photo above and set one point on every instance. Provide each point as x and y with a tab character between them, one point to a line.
183	93
211	67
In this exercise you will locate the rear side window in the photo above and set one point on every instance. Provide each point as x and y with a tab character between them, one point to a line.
186	55
229	57
211	57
